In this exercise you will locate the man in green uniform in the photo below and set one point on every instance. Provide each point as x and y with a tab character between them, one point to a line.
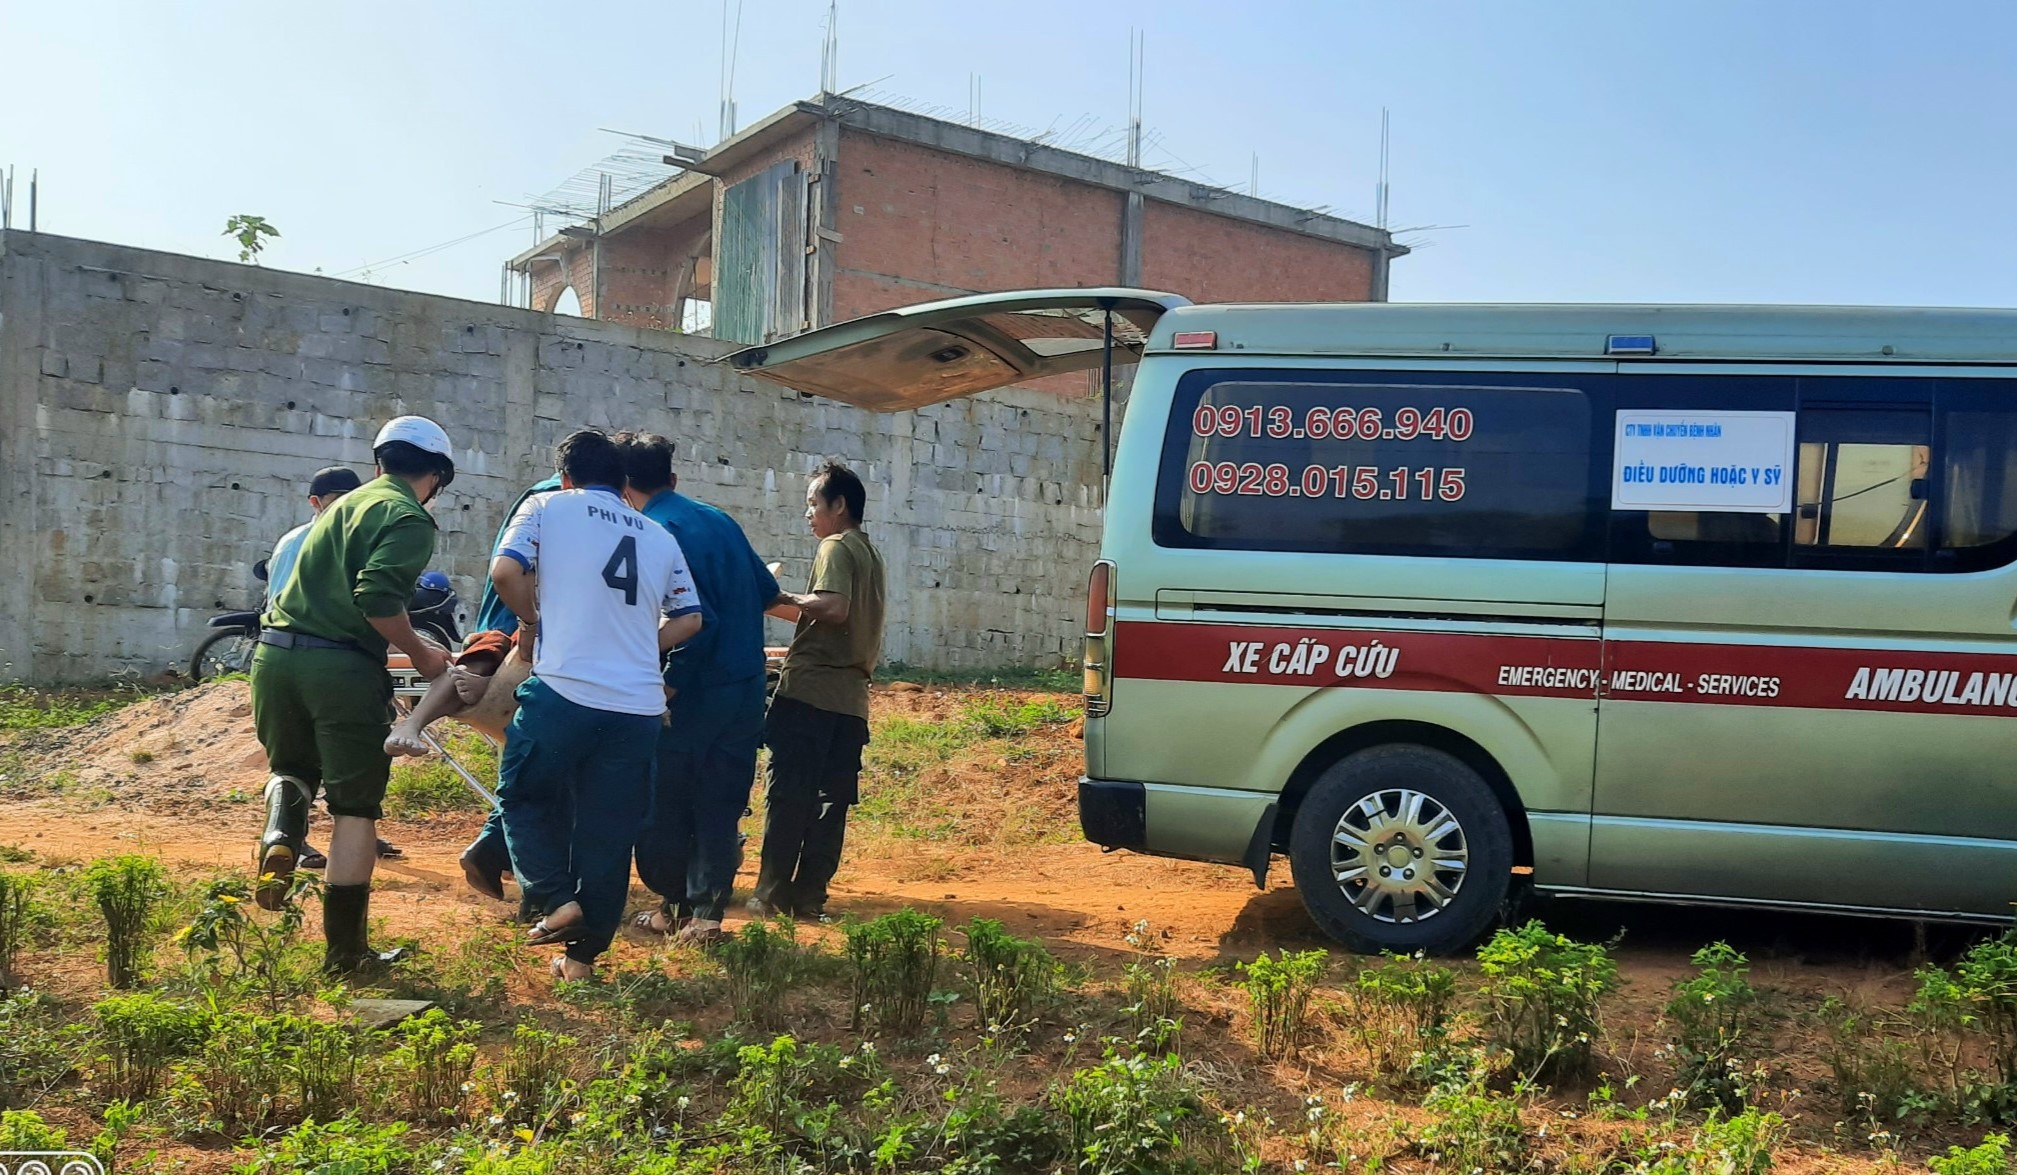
320	694
818	722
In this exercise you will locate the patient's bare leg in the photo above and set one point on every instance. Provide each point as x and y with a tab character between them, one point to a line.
448	695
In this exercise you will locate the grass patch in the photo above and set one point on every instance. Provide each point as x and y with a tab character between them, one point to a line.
22	708
16	855
426	787
1065	679
904	789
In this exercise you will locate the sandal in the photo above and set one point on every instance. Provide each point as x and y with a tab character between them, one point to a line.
387	851
544	935
559	969
312	859
658	921
701	936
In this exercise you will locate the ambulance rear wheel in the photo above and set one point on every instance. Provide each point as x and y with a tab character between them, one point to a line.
1402	848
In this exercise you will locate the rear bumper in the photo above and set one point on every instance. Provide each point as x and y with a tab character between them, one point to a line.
1113	813
1195	823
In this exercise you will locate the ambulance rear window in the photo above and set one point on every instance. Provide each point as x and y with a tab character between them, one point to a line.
1379	463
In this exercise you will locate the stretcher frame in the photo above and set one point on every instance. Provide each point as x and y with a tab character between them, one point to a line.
408	687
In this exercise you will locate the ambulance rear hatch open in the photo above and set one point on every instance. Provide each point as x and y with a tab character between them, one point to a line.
940	351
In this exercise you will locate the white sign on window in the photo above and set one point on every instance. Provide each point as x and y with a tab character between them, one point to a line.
1733	462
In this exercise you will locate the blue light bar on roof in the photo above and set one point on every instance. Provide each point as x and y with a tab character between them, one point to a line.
1629	345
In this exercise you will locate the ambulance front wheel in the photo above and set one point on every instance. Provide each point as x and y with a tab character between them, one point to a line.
1402	848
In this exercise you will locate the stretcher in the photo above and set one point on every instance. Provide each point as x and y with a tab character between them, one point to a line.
408	687
489	717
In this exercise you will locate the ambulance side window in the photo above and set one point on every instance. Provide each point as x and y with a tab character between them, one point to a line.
1978	477
1486	466
1861	482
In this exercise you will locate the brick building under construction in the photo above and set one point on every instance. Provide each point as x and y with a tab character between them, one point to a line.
833	208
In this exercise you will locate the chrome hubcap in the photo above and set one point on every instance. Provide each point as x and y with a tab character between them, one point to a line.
1399	855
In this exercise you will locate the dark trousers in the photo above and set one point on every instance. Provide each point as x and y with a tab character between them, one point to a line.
691	845
572	783
815	773
488	850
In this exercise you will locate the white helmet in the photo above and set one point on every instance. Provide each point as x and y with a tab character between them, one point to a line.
418	431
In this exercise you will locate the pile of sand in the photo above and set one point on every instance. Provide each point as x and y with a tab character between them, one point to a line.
176	753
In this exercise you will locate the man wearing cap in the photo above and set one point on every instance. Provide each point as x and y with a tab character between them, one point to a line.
321	698
323	489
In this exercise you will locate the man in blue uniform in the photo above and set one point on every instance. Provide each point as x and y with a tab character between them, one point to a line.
689	848
486	860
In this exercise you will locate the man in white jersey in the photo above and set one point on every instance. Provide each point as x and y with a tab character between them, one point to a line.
601	592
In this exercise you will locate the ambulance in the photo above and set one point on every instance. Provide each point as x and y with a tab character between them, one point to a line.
1691	604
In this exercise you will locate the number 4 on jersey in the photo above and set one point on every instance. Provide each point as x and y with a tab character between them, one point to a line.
620	573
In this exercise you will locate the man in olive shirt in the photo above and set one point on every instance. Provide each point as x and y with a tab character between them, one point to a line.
818	722
320	694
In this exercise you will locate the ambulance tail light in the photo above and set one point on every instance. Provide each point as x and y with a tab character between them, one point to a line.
1099	638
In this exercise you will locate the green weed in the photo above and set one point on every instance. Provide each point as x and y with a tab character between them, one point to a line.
1153	1004
433	1061
1870	1059
37	1050
1065	679
236	950
537	1075
1974	1008
16	855
17	919
1990	1158
1476	1128
324	1063
1126	1115
345	1146
1714	1015
1000	718
142	1036
25	1131
1279	992
22	708
762	963
1739	1145
128	891
1540	999
242	1074
895	959
1012	980
1404	1009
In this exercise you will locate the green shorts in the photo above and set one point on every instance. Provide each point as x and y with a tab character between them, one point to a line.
323	715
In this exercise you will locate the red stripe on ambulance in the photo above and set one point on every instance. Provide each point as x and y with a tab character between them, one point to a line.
1804	677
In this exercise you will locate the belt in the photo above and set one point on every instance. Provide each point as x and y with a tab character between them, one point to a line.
282	639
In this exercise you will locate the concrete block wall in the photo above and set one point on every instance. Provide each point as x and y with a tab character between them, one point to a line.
160	416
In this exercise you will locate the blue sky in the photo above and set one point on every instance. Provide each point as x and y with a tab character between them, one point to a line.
1787	151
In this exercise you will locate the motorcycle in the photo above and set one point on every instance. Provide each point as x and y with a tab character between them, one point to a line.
229	648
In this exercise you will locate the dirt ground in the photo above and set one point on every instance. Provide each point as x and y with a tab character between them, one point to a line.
178	776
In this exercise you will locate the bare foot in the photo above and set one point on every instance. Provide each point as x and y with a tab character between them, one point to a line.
470	687
405	741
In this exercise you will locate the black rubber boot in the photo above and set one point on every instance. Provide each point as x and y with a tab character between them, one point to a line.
287	801
346	929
